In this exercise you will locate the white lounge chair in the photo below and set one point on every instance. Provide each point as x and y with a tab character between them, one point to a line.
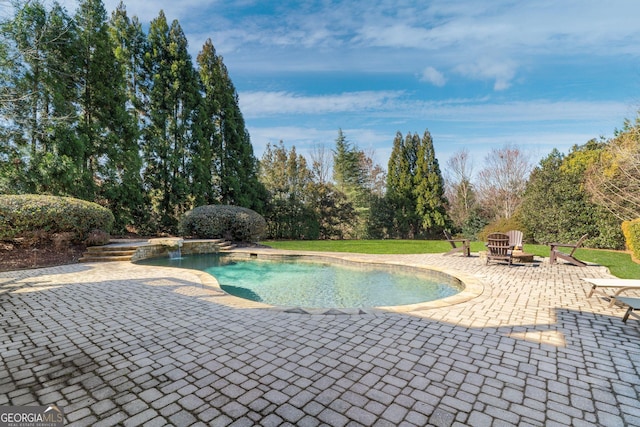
621	285
630	303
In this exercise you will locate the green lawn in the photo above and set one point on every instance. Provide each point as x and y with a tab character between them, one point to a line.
620	264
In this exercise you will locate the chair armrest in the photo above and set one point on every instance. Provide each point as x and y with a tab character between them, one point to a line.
561	245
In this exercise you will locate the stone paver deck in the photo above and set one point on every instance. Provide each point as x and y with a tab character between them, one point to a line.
123	344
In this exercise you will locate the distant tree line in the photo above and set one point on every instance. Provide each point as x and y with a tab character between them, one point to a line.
359	202
96	109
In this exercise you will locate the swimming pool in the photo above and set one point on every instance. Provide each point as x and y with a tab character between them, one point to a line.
300	282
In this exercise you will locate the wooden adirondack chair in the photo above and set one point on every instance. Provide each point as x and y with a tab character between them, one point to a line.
568	257
464	247
499	248
515	239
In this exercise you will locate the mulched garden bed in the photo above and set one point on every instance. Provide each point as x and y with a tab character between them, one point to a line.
16	256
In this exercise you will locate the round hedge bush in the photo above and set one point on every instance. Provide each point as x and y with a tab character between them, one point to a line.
21	215
223	222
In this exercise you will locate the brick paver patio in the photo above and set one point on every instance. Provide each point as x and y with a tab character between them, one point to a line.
123	344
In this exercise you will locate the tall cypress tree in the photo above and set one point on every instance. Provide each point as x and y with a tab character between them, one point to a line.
130	46
207	167
352	178
124	191
111	162
400	185
39	100
239	174
171	98
345	165
183	120
101	103
428	187
234	168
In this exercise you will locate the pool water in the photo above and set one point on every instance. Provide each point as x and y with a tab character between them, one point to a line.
295	283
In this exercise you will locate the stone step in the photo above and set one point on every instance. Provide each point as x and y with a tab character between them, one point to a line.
108	253
102	249
104	258
123	252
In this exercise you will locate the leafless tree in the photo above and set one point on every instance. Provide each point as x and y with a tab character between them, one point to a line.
458	187
321	161
614	181
502	182
374	172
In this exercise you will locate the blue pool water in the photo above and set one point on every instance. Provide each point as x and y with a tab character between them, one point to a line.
317	285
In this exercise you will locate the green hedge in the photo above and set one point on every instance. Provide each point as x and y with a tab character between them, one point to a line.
21	215
223	222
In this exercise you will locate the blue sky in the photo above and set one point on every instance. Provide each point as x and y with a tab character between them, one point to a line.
477	74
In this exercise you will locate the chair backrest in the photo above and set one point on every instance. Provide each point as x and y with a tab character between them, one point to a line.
449	238
515	238
578	244
498	244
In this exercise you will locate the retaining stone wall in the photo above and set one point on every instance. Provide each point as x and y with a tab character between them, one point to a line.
188	248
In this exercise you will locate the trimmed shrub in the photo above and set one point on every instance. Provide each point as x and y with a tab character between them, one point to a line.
223	222
501	225
631	231
48	216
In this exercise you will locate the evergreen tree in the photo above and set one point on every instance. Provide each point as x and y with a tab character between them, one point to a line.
38	101
335	214
98	102
556	207
171	96
428	188
206	172
130	45
229	165
286	177
81	102
400	185
351	175
109	134
346	173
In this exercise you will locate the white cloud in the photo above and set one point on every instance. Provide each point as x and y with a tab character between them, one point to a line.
398	105
530	111
537	126
433	76
501	71
264	103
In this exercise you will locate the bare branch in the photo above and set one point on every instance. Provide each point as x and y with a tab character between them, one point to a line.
502	182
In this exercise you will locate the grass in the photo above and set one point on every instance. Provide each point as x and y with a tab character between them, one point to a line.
619	263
